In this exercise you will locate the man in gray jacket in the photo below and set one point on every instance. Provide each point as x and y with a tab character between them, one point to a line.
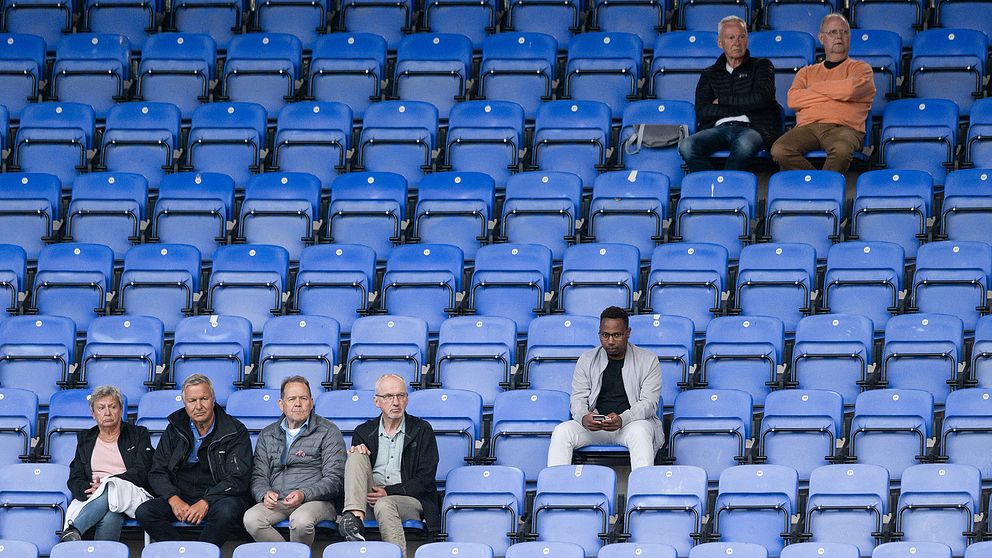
299	469
616	390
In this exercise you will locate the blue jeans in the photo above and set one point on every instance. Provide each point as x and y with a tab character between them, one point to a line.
743	142
97	513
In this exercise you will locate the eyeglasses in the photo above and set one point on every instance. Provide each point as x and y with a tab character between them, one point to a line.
391	396
837	33
614	336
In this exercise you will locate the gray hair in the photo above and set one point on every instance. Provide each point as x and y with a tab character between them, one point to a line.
106	391
195	380
731	19
389	377
833	15
294	379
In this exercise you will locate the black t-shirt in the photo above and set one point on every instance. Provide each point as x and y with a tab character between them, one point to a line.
612	396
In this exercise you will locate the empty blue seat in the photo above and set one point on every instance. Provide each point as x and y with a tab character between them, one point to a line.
598	275
542	208
679	57
218	347
22	61
937	503
37	353
977	147
453	549
194	208
46	19
629	207
154	409
298	345
717	207
423	280
949	64
73	280
778	280
536	549
605	67
108	208
788	51
893	206
906	549
903	18
85	549
920	134
18	417
720	549
391	22
368	208
883	51
952	277
474	21
227	138
923	351
847	504
221	19
806	207
510	280
307	22
433	68
519	67
280	209
92	69
136	21
755	504
456	417
977	549
485	136
967	205
864	278
30	206
313	137
803	16
554	344
523	421
743	352
347	409
572	136
173	548
833	352
263	68
267	549
573	503
561	20
476	353
890	428
671	338
710	429
707	15
455	208
964	432
800	429
348	68
54	138
633	550
162	281
255	408
35	498
688	279
248	280
177	68
644	18
337	281
666	504
142	138
400	137
665	160
123	351
385	344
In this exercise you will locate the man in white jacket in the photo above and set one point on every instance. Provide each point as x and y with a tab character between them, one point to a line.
616	390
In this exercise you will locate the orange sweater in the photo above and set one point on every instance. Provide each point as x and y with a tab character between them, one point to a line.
841	95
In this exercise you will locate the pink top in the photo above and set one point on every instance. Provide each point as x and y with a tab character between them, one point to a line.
106	459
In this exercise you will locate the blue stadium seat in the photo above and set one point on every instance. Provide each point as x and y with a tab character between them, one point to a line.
172	549
847	504
177	68
717	207
890	428
92	69
893	206
665	160
256	408
68	414
18	417
454	550
806	207
455	208
108	208
644	18
142	138
456	417
510	280
535	549
904	18
348	68
154	409
227	138
423	280
221	19
573	503
86	549
920	134
666	504
560	20
883	51
22	69
671	338
907	549
46	19
124	351
967	205
248	280
629	207
475	21
820	550
268	549
572	136
721	549
30	206
788	51
476	353
400	137
688	279
554	344
598	275
368	208
800	429
937	503
745	353
37	354
949	64
136	21
263	68
923	351
978	148
280	209
519	67
953	277
523	421
35	498
335	280
964	432
755	504
13	275
679	58
778	280
160	280
833	352
54	138
218	347
434	68
307	22
298	345
634	550
542	208
694	16
805	15
864	278
485	136
981	351
385	344
347	409
194	208
391	21
710	429
604	67
315	138
73	280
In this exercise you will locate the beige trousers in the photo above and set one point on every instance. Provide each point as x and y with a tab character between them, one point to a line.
389	512
260	521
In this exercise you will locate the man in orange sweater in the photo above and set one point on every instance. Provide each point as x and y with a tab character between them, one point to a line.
831	100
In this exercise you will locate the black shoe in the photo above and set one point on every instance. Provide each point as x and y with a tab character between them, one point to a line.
70	534
351	527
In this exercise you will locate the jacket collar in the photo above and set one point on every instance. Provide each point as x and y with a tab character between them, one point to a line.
721	62
223	423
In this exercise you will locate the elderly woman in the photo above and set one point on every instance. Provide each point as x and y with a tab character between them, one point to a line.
112	449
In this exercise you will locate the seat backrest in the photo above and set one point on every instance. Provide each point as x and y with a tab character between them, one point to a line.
346	408
266	46
635	550
94	46
195	47
390	330
683	480
854	255
942	478
269	549
624	50
428	257
505	115
10	548
84	549
808	403
165	257
856	479
32	185
780	256
940	115
897	402
545	184
925	328
367	46
686	49
505	47
316	116
530	405
446	405
198	185
535	549
488	479
454	185
130	330
13	259
285	186
515	257
722	184
595	480
836	328
18	46
880	48
969	182
216	329
807	185
20	403
454	550
786	49
40	330
691	256
468	330
916	549
112	186
418	115
38	117
254	403
602	256
948	255
171	549
361	549
78	256
748	329
339	257
934	46
448	47
252	258
249	117
371	186
654	331
155	406
574	115
902	182
657	112
146	116
634	184
302	330
723	549
715	403
563	330
761	479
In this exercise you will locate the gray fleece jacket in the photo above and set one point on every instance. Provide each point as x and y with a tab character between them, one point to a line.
315	462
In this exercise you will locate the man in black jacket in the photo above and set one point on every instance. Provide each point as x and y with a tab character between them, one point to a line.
735	104
201	470
391	468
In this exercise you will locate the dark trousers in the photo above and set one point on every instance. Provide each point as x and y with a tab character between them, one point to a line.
223	516
743	142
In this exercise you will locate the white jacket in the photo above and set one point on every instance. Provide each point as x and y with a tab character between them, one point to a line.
122	497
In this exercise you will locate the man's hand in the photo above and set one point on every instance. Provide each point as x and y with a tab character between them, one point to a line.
196	512
376	493
360	449
612	423
270	500
294	499
590	424
179	507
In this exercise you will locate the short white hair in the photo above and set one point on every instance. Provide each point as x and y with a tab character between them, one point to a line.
731	19
195	380
833	15
385	377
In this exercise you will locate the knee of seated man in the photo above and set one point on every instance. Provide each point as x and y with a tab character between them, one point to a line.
385	505
301	521
839	149
254	517
225	509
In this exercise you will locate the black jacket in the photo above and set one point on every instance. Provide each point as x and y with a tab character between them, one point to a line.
418	464
749	90
136	450
229	456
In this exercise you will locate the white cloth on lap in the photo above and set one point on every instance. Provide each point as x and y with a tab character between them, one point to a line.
123	496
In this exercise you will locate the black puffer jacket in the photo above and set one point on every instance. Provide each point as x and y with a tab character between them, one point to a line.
749	90
136	450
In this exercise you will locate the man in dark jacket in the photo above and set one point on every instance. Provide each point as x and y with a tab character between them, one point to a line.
391	468
201	469
735	104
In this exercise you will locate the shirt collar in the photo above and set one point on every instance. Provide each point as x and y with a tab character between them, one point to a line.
400	430
285	424
196	433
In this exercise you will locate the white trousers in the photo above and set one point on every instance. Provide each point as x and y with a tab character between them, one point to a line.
637	437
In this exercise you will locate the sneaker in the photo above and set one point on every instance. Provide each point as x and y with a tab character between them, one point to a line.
351	527
70	534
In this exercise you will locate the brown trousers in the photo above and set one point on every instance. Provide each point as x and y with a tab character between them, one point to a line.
839	141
